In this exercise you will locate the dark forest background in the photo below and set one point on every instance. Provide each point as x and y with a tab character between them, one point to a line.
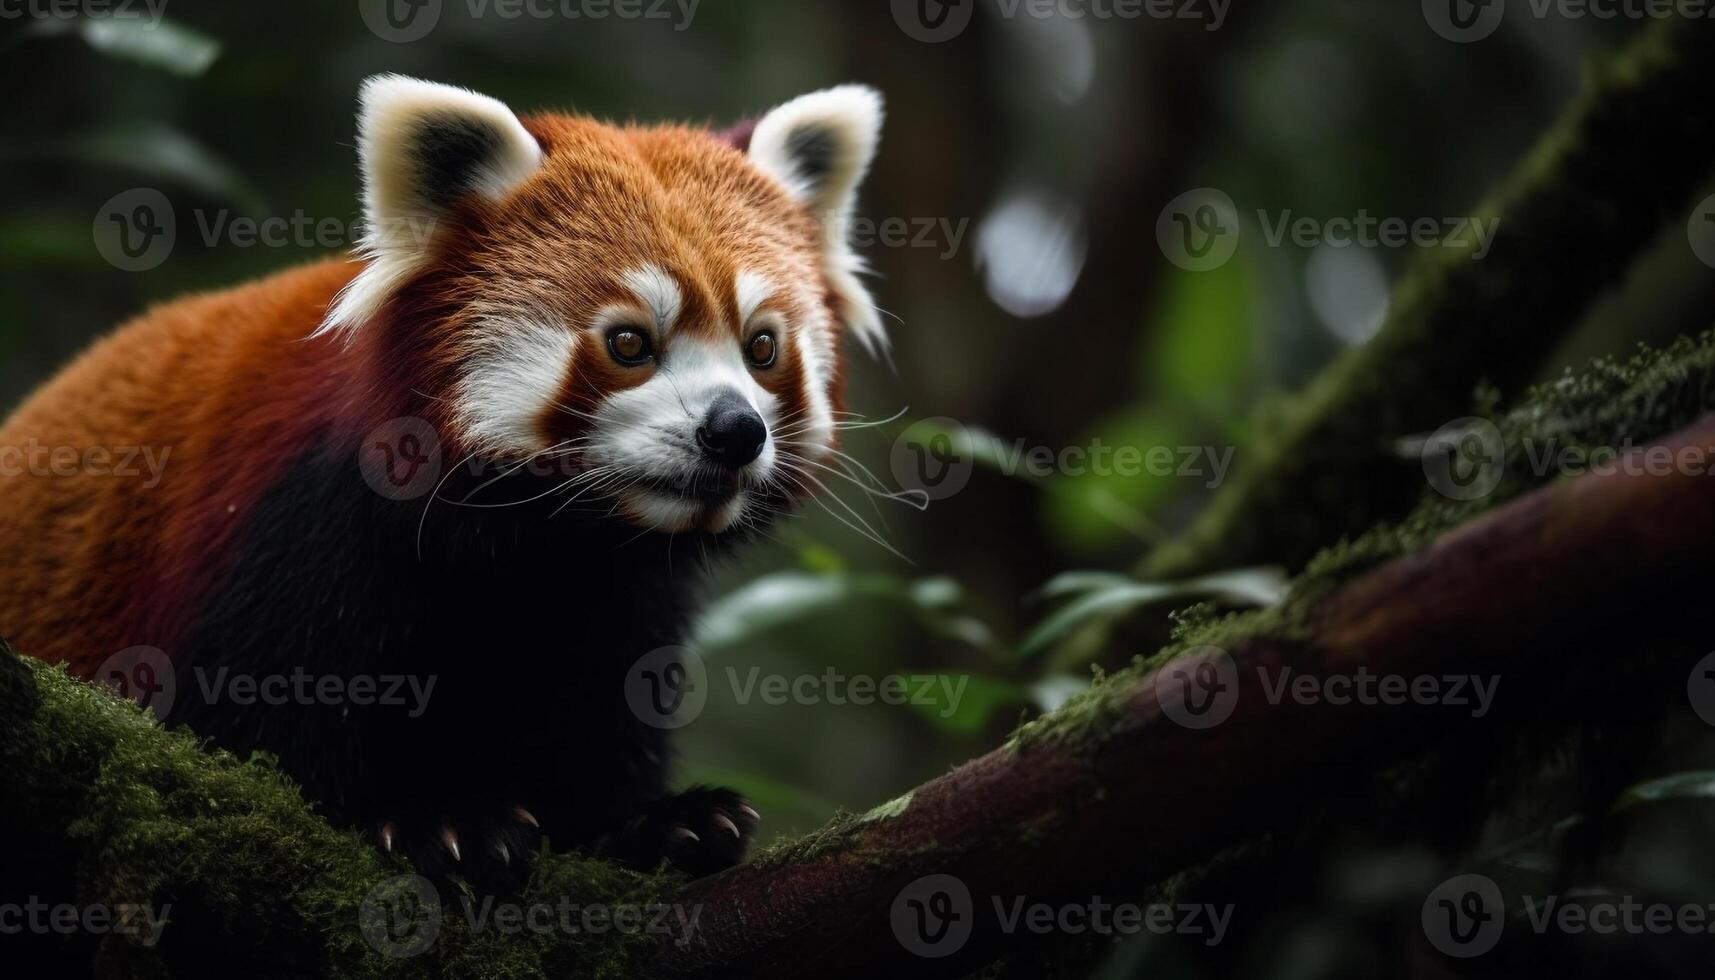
1030	158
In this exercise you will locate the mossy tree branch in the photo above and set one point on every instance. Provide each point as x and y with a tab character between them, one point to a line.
1623	159
1112	791
1108	793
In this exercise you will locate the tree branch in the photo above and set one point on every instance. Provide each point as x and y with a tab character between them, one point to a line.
1113	792
1102	797
1626	156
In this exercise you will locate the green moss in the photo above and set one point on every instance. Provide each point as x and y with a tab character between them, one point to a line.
889	810
1610	404
833	837
120	810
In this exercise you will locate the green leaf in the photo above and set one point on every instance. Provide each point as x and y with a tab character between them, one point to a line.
818	557
1079	582
1099	506
1204	342
1103	599
963	703
158	150
1695	785
972	442
770	602
785	597
160	44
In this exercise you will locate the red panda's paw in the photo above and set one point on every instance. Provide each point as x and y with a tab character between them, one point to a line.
701	831
492	853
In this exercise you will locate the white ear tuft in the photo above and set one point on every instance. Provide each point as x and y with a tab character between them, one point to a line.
819	147
421	146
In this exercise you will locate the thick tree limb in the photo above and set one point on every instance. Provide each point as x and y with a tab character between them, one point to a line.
1118	793
1623	159
1096	800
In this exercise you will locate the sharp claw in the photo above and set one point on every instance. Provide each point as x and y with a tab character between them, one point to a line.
725	823
750	812
684	833
505	855
525	816
387	832
452	841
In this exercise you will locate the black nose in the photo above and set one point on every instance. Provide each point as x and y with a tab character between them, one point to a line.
732	434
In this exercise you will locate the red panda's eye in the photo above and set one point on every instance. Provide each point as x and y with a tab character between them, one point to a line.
761	350
629	347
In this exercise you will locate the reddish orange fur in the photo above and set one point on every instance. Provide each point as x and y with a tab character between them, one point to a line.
230	386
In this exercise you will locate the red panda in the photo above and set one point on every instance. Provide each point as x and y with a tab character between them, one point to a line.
622	339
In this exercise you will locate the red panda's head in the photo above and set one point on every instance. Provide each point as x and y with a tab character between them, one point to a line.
660	305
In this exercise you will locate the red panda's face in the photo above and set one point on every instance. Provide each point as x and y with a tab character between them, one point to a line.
654	304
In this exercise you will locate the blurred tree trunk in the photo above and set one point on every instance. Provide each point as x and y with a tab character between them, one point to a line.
1047	379
1623	160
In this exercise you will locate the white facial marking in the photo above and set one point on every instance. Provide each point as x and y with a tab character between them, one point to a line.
650	433
659	294
515	368
662	511
753	289
815	345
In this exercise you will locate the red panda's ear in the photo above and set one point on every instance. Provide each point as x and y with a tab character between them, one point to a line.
819	147
422	146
